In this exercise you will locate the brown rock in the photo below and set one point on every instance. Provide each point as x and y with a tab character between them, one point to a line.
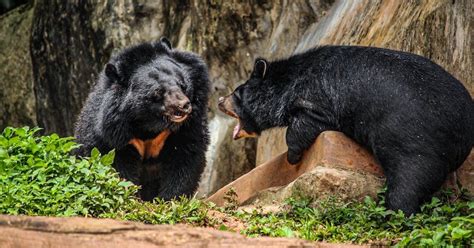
321	183
38	232
17	97
337	150
334	165
465	174
331	150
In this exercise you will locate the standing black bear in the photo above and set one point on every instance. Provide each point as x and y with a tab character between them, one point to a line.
415	118
150	105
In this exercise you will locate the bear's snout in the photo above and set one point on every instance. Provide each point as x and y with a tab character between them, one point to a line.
225	105
177	106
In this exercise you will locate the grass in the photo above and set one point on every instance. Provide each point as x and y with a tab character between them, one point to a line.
38	176
440	223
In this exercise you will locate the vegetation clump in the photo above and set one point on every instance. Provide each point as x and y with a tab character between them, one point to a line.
38	176
440	223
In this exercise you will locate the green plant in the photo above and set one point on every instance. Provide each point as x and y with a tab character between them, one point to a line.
439	224
38	176
182	210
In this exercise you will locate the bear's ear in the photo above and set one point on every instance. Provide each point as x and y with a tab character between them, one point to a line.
260	68
111	72
166	42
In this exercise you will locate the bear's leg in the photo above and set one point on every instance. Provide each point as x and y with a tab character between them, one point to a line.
127	163
179	175
411	181
181	180
301	134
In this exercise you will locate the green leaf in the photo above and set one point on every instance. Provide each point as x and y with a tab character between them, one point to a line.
108	158
95	153
459	233
3	153
125	184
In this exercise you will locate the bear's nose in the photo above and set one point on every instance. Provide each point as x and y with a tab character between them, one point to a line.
185	106
220	100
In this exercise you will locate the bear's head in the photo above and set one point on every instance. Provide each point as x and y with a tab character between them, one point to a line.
251	103
153	86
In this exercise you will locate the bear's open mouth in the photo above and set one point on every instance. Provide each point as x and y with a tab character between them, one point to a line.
225	105
239	132
178	117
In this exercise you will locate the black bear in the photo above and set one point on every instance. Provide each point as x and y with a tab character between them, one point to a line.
416	119
150	105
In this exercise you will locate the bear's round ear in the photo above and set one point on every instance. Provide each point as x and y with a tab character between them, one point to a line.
260	68
111	72
166	42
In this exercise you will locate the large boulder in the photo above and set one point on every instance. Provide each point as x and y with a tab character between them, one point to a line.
334	165
320	183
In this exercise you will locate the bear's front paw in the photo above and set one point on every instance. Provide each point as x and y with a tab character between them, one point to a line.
294	158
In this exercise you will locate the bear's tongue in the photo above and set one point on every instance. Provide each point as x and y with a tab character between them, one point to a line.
236	131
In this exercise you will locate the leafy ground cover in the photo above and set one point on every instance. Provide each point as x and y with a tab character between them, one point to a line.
39	176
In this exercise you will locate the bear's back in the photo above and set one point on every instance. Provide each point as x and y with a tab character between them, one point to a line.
380	91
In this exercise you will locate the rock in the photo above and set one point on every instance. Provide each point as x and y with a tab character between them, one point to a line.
38	232
320	183
465	175
333	164
17	98
336	150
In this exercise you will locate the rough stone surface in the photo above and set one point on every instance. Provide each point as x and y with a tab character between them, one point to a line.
17	98
334	165
39	232
320	183
465	175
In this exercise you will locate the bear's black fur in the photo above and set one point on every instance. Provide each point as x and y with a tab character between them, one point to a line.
415	117
144	91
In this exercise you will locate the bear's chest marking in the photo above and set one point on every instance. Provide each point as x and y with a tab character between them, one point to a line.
150	148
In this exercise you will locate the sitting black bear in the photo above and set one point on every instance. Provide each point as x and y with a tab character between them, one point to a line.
150	105
415	118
